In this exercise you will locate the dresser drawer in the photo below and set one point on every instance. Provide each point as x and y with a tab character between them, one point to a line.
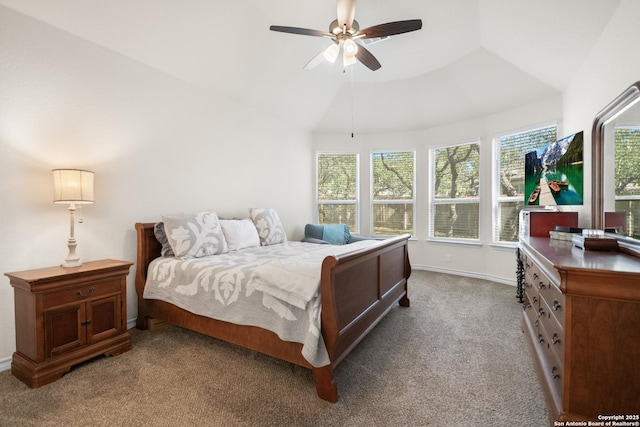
554	374
531	292
553	333
555	301
531	313
81	293
537	278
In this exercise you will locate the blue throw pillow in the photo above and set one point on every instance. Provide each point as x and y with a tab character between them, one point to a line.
336	234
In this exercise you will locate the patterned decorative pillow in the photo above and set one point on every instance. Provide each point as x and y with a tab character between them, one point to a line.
195	235
161	236
269	226
240	233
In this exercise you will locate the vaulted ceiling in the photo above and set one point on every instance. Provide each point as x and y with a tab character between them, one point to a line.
471	58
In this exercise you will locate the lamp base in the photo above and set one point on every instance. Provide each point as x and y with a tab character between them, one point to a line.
72	259
69	264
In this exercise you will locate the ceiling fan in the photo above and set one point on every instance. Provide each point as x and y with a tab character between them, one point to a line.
345	31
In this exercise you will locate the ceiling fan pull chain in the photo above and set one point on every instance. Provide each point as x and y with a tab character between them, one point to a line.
352	101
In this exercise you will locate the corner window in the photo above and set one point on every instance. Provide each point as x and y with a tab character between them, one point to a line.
392	192
337	189
508	181
454	196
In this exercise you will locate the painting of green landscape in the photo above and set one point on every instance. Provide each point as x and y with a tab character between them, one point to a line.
554	173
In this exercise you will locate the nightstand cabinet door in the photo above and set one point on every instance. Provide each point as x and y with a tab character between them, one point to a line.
65	316
103	318
64	330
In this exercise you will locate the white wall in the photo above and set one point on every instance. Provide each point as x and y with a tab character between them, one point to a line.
612	67
156	145
484	260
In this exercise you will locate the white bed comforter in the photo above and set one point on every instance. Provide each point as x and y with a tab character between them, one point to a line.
273	287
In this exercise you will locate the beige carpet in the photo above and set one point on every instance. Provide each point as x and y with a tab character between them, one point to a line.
456	357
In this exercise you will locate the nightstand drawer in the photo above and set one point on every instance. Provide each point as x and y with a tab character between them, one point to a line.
81	294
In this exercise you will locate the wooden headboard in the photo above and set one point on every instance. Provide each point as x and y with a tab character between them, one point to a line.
148	249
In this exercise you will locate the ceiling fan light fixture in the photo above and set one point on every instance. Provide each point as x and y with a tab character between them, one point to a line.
348	59
350	48
331	53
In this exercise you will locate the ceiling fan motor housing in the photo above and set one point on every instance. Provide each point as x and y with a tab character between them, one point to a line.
334	28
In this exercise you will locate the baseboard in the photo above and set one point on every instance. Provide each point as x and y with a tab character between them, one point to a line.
5	364
465	274
131	323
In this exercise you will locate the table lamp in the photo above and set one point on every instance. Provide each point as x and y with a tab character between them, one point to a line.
74	187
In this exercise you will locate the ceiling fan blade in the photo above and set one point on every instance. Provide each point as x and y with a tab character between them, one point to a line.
301	31
346	13
315	61
367	58
390	28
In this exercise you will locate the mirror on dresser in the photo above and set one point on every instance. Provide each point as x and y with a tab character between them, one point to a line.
616	168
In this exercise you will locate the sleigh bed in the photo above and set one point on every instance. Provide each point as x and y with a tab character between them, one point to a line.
357	289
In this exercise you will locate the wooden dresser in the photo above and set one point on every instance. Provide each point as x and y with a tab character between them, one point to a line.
65	316
581	320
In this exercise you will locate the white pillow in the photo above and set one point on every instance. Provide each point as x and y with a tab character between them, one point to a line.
195	235
240	233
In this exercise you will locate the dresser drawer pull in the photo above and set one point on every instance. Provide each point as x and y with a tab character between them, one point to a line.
554	373
540	312
86	322
91	291
540	338
556	305
534	300
555	339
541	285
535	276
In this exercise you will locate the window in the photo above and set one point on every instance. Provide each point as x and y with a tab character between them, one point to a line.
455	184
392	195
510	151
627	178
337	189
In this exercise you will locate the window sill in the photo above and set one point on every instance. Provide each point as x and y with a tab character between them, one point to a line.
463	242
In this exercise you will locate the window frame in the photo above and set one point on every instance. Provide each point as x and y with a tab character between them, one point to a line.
373	202
432	201
356	202
496	198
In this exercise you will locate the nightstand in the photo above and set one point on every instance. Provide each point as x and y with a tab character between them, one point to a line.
65	316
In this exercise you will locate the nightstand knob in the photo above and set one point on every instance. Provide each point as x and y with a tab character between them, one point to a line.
556	305
91	290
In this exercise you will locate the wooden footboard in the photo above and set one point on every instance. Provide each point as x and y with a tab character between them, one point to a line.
357	290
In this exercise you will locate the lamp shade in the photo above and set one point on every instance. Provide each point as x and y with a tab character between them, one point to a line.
72	186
